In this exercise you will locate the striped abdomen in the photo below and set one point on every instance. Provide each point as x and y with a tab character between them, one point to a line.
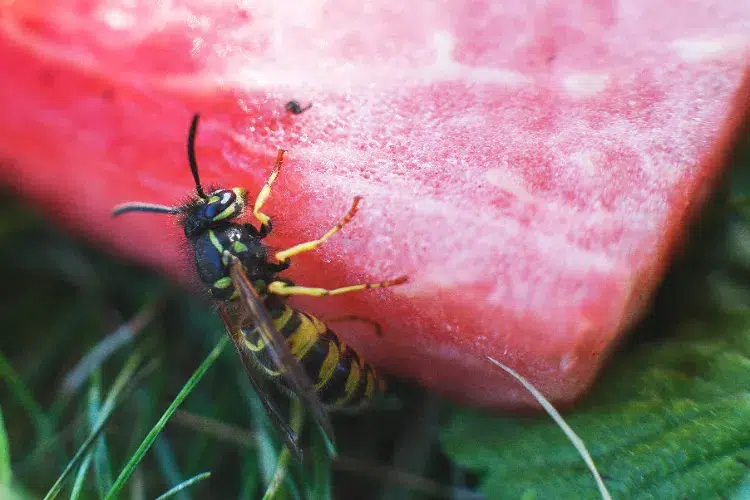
341	378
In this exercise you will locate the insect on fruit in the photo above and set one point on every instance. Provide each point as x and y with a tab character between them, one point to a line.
290	346
296	108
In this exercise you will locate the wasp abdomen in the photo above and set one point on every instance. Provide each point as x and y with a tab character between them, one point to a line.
340	377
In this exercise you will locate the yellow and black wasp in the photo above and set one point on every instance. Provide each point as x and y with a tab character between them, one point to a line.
290	346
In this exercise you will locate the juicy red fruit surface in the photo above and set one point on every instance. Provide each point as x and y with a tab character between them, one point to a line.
531	167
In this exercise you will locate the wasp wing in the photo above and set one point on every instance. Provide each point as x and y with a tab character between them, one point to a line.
235	334
276	345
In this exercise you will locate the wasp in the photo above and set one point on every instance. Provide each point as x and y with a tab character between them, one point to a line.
241	275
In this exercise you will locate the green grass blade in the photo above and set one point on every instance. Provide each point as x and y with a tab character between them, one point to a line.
274	487
127	471
168	467
185	484
80	477
25	397
5	471
107	346
127	373
8	493
102	467
318	482
296	421
250	477
107	409
262	434
87	444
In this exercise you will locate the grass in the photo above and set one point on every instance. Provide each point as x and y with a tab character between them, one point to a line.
115	383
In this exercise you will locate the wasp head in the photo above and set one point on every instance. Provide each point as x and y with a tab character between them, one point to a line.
220	205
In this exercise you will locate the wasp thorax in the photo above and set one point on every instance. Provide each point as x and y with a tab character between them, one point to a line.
219	248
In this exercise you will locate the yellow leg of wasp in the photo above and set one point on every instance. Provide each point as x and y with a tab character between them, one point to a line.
265	192
312	245
281	288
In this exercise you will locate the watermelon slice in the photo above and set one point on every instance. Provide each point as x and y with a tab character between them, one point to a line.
532	167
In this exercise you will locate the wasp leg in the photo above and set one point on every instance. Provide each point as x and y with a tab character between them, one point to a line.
265	229
312	245
265	192
281	288
252	230
376	326
277	268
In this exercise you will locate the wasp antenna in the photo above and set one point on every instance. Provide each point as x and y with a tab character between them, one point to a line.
191	156
136	206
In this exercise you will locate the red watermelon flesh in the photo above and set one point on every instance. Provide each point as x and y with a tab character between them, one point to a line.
530	165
